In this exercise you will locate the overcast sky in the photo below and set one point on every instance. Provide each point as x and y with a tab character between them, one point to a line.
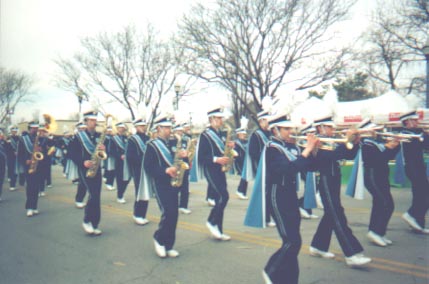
34	32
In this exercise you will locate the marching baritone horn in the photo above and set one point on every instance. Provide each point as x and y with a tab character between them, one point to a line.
403	137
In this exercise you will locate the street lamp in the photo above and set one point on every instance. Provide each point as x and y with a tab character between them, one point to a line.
425	50
79	95
177	89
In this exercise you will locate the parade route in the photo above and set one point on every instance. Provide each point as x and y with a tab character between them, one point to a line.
52	247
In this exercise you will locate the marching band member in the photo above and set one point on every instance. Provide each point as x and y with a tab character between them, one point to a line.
3	161
109	164
11	150
334	218
117	151
376	156
46	162
82	148
184	188
26	148
158	165
281	164
81	188
136	148
307	213
210	159
257	141
415	169
240	148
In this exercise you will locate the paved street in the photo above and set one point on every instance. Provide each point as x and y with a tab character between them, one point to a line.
52	247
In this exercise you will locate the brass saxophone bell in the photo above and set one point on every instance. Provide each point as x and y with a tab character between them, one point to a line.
38	156
101	155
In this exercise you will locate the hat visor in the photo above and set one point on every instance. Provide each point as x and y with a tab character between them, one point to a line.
165	124
414	116
216	114
140	124
325	124
288	124
90	117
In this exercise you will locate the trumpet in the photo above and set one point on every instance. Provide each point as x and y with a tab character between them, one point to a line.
402	137
327	142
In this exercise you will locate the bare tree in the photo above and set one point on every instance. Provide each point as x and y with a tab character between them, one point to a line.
14	89
129	68
253	47
394	44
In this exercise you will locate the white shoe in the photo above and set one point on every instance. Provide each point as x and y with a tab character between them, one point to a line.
266	278
241	196
104	179
109	187
304	214
317	252
35	211
425	231
29	212
411	222
79	205
41	194
211	202
140	220
185	211
357	260
12	189
271	224
49	186
159	249
225	237
121	200
387	241
214	230
87	227
312	216
97	232
173	253
376	239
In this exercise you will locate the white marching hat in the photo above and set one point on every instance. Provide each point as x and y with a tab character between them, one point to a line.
326	120
217	112
139	121
90	114
163	120
282	120
409	115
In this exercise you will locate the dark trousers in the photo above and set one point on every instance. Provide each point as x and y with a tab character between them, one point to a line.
242	186
169	205
34	182
81	192
184	191
93	186
420	191
11	174
217	181
210	192
45	171
378	186
110	177
334	219
301	205
120	182
21	179
140	206
282	267
268	208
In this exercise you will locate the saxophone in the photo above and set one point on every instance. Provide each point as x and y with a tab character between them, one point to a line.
229	152
180	165
192	143
98	155
36	156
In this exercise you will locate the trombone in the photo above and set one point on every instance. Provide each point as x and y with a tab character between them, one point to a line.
327	142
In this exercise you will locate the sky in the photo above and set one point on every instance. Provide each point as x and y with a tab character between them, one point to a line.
35	32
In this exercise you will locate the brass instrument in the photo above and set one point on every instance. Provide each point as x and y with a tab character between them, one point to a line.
192	146
327	143
37	156
98	155
179	164
229	152
402	137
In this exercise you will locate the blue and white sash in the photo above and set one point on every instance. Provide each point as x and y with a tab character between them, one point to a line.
119	142
255	214
139	142
216	139
28	143
146	185
310	191
399	176
247	173
356	185
86	142
14	144
142	146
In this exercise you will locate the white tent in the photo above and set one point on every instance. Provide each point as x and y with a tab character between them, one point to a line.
309	110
